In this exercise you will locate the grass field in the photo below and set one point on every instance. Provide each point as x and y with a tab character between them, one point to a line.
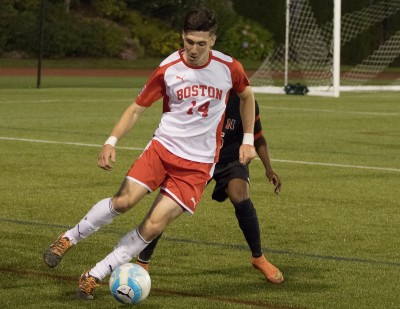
334	230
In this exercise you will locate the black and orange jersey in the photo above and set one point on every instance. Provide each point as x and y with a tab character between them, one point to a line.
232	132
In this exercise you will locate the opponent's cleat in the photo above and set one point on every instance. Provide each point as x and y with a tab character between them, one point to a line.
144	265
270	272
55	252
87	285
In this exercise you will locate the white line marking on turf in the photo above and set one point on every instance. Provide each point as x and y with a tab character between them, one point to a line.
329	111
339	165
69	100
389	169
260	105
60	143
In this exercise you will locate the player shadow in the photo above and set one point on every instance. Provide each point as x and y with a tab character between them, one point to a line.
102	295
239	280
297	279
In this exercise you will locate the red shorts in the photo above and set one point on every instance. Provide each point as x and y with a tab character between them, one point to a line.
182	180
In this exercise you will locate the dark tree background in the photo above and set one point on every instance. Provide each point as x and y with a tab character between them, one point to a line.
136	28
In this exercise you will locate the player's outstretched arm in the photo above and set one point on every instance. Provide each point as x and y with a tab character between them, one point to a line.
262	151
127	121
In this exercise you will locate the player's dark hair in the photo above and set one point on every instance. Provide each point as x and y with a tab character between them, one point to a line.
201	20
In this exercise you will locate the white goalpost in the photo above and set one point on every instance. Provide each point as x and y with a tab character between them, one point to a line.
311	53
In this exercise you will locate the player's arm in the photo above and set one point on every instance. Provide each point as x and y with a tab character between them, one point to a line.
262	150
247	108
127	121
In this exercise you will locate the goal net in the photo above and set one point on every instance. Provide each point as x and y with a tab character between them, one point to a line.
311	53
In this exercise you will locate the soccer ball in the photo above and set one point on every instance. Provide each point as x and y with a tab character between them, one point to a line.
130	283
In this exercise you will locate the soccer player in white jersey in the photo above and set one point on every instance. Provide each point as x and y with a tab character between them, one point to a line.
193	84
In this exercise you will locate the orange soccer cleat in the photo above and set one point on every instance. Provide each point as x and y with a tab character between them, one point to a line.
272	273
87	285
55	252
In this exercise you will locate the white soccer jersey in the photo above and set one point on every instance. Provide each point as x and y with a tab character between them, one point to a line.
194	100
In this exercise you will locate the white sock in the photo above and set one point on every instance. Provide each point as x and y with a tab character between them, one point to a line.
102	213
129	246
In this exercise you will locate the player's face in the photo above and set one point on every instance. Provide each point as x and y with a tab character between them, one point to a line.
197	47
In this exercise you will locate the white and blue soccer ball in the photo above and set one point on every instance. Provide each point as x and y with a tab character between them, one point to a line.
130	283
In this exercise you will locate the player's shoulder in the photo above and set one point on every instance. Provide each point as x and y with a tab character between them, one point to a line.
221	56
233	64
171	59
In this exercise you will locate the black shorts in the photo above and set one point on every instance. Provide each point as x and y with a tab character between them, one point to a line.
226	172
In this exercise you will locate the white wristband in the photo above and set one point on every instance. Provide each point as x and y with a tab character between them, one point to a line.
248	139
112	140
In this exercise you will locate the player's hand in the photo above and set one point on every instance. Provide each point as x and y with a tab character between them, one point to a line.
275	180
246	153
106	153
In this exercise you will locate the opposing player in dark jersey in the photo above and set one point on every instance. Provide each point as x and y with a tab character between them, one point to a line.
232	181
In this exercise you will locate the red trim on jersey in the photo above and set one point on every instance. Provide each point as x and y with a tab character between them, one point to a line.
154	89
258	135
194	67
257	118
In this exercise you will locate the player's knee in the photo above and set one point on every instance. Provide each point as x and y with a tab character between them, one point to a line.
125	200
121	203
238	191
244	208
151	229
128	196
238	196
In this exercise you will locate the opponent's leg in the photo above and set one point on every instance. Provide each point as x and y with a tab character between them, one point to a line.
248	221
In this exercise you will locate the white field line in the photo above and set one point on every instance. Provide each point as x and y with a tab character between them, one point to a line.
68	100
260	105
60	143
388	169
339	165
329	111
